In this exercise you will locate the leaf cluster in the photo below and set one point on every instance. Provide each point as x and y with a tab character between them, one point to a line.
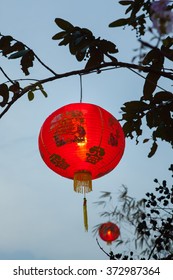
5	92
137	10
158	221
156	107
35	88
83	44
157	112
152	221
13	49
12	93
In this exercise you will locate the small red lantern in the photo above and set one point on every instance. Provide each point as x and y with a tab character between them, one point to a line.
81	141
109	232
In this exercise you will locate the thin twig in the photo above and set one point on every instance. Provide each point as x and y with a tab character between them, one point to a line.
44	65
145	78
8	78
102	248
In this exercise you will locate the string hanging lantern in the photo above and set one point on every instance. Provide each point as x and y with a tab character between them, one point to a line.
83	142
109	232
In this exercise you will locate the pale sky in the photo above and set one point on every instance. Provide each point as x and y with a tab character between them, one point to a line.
41	216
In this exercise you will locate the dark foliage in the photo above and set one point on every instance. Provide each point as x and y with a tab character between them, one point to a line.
152	221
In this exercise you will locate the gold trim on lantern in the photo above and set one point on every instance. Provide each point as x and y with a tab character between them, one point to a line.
109	242
82	181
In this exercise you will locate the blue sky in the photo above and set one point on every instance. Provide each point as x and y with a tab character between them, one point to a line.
41	216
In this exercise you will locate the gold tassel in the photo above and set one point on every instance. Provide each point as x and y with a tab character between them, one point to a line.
85	216
82	181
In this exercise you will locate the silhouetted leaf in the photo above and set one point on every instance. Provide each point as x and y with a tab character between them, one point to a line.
59	35
18	54
5	43
129	9
165	202
135	106
107	46
27	61
15	87
168	42
164	183
63	24
150	85
162	96
145	140
30	95
106	195
128	128
118	242
42	90
80	56
4	92
125	3
17	46
153	149
119	22
155	57
66	40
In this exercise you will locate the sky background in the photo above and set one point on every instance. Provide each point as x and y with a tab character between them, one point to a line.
40	215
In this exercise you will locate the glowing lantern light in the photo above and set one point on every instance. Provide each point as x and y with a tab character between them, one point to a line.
83	142
109	232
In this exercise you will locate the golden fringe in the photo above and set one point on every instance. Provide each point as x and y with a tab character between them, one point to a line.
82	182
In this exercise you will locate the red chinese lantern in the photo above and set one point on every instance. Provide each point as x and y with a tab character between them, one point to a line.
109	232
83	142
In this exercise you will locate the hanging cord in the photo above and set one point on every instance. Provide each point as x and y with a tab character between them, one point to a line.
80	88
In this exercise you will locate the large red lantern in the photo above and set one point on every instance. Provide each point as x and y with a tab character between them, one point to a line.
109	232
83	142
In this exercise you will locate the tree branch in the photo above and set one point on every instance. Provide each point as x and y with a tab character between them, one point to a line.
102	248
44	65
102	67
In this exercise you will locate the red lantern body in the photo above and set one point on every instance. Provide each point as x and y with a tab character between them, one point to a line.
109	232
81	141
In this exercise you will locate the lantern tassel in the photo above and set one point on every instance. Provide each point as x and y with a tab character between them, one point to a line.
82	182
85	216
